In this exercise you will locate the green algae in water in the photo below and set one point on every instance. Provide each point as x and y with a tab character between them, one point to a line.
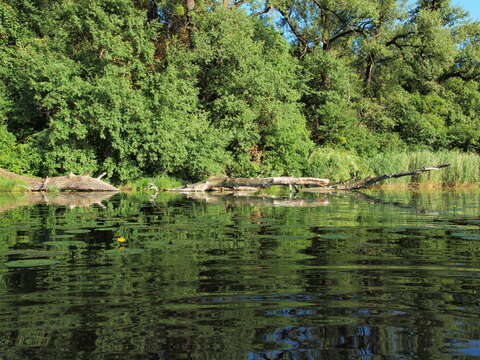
27	263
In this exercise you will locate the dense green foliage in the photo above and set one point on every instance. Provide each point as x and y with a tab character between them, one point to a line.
194	88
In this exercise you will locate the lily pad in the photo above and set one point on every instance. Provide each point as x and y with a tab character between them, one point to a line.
155	244
26	263
333	236
32	253
63	236
106	228
77	231
123	251
467	236
66	243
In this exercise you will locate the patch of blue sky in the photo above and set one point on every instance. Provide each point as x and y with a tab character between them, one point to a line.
472	6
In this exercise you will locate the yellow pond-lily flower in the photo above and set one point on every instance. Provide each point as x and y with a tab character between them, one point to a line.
121	239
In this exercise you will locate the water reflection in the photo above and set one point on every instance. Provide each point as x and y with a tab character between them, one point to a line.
69	200
249	199
336	277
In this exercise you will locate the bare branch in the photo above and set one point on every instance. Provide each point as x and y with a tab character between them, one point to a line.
266	11
239	3
370	181
393	41
292	27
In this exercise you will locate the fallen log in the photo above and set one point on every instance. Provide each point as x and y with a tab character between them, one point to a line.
225	183
70	182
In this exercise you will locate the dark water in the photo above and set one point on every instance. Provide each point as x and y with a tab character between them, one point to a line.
314	277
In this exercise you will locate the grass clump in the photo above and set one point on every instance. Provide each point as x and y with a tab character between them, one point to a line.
162	182
53	189
12	185
275	190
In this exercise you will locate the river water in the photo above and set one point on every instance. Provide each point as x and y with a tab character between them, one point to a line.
316	276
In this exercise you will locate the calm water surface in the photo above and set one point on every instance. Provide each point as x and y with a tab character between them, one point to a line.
383	276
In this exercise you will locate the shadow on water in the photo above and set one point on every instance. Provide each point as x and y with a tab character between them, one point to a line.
315	276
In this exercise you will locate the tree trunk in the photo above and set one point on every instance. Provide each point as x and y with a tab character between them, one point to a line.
248	184
62	183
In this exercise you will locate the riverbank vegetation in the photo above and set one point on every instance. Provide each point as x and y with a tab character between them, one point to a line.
340	166
187	89
160	182
12	185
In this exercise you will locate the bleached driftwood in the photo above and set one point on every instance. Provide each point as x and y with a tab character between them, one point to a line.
225	183
70	182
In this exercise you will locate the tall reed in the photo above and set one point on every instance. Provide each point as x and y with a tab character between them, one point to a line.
340	165
464	168
12	185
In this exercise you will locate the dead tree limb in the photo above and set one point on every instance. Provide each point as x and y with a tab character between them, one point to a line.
71	182
224	183
372	180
